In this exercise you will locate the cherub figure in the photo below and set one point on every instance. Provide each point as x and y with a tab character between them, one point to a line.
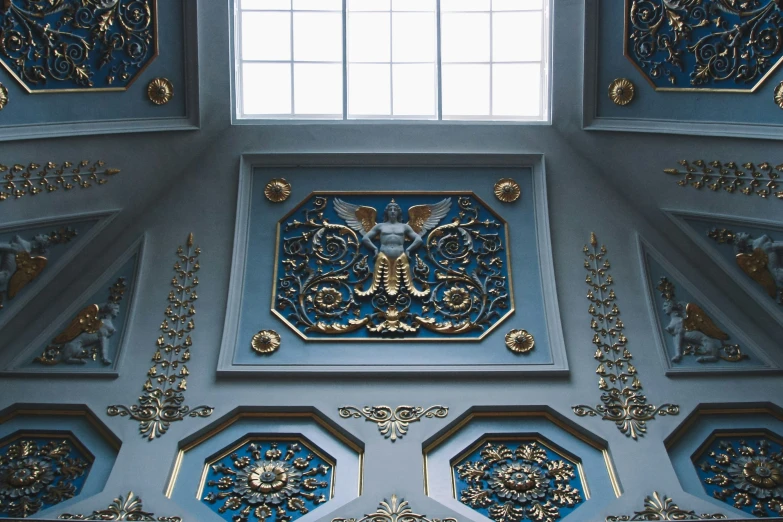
89	331
21	261
392	260
762	260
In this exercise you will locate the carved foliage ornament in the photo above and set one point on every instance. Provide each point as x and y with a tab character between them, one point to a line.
19	181
3	96
160	91
394	511
621	91
442	273
712	44
129	508
164	390
663	508
525	483
38	472
265	342
762	180
622	401
520	341
72	45
393	424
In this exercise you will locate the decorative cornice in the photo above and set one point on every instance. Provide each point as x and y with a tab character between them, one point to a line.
394	512
19	181
622	401
663	508
162	401
129	508
393	424
763	179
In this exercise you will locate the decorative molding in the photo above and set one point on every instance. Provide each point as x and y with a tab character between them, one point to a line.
31	180
160	91
162	401
393	424
625	406
129	508
621	91
394	512
657	507
520	341
265	342
762	179
507	190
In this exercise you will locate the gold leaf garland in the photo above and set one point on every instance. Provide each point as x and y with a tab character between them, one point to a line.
393	424
622	401
762	180
162	401
19	181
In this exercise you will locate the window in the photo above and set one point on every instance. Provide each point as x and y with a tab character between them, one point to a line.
392	59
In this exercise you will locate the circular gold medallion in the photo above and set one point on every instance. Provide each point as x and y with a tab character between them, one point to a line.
277	190
3	96
779	95
160	91
507	190
621	91
520	341
265	342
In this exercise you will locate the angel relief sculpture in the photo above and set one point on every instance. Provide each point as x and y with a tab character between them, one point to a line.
392	278
694	332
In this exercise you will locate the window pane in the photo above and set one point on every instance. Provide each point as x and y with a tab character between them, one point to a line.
318	88
318	37
266	36
319	5
516	90
266	4
368	90
464	5
465	90
516	37
465	37
517	5
266	88
413	5
369	37
414	88
369	5
413	37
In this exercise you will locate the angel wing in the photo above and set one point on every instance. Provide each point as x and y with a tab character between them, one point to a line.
27	269
362	219
85	321
423	218
697	319
756	265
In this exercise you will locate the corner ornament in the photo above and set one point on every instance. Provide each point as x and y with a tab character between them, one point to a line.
164	390
20	181
160	91
621	91
663	508
129	508
394	511
393	424
277	190
622	401
778	95
520	341
265	342
762	180
507	190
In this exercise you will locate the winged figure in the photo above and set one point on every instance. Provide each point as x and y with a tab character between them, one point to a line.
18	266
691	326
89	331
762	259
392	260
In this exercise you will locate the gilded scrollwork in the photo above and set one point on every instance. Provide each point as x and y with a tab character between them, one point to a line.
719	45
37	472
427	277
72	45
618	379
762	180
128	508
164	390
393	423
394	511
657	507
19	181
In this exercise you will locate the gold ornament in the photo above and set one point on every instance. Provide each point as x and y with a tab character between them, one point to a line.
394	511
621	91
507	190
266	342
3	96
779	95
661	507
129	508
34	179
393	424
160	91
761	179
520	341
277	190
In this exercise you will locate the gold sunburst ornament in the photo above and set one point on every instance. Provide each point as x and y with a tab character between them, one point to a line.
621	91
520	341
266	342
779	95
277	190
507	190
160	91
3	96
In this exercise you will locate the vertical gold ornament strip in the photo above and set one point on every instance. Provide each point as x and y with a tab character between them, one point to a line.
622	401
164	391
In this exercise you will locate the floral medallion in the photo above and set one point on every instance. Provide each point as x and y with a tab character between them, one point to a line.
38	472
277	190
507	190
261	479
520	341
621	91
779	95
265	342
745	472
515	481
160	91
3	96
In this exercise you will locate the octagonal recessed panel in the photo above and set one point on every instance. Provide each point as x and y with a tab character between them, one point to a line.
74	45
743	469
392	265
259	478
704	46
40	470
510	480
